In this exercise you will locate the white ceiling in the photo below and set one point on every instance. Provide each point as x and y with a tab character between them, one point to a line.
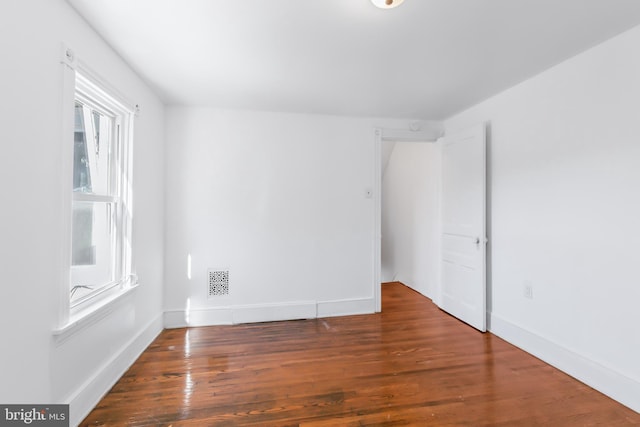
426	59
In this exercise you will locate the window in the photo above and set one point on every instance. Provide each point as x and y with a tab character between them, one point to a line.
100	194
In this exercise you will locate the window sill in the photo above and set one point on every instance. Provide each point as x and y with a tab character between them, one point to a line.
91	315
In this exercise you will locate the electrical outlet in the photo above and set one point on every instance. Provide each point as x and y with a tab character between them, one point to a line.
528	289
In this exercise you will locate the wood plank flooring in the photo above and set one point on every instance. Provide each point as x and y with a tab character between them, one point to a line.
411	365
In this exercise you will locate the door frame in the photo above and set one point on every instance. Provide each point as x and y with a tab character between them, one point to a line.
380	135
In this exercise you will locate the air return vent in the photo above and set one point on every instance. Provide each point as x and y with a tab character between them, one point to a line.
218	283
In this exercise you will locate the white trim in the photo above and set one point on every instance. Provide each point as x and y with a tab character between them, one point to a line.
404	135
89	197
614	384
65	163
198	317
346	307
238	314
233	315
92	314
274	312
102	90
84	399
377	219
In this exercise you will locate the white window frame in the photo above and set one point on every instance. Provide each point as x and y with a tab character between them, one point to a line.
80	83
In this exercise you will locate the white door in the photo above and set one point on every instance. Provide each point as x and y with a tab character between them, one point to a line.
462	287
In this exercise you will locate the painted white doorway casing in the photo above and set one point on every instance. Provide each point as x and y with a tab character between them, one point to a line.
463	216
394	135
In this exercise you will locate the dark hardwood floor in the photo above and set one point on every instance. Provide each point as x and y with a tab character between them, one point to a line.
411	365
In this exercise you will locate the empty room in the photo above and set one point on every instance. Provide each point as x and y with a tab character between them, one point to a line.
320	212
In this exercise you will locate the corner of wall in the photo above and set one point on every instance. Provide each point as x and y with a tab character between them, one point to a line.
87	396
604	379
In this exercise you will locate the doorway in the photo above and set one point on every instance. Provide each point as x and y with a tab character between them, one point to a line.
392	136
458	281
410	210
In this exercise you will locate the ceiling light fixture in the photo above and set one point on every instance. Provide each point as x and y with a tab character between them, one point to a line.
387	4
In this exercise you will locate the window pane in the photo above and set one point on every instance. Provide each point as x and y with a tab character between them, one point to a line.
81	174
92	247
92	151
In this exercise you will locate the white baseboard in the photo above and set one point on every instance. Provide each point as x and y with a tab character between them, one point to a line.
237	314
607	381
201	317
346	307
231	315
274	312
87	396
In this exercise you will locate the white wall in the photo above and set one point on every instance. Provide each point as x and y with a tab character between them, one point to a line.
410	216
564	156
279	200
36	368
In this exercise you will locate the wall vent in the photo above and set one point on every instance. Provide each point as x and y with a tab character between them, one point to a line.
218	283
